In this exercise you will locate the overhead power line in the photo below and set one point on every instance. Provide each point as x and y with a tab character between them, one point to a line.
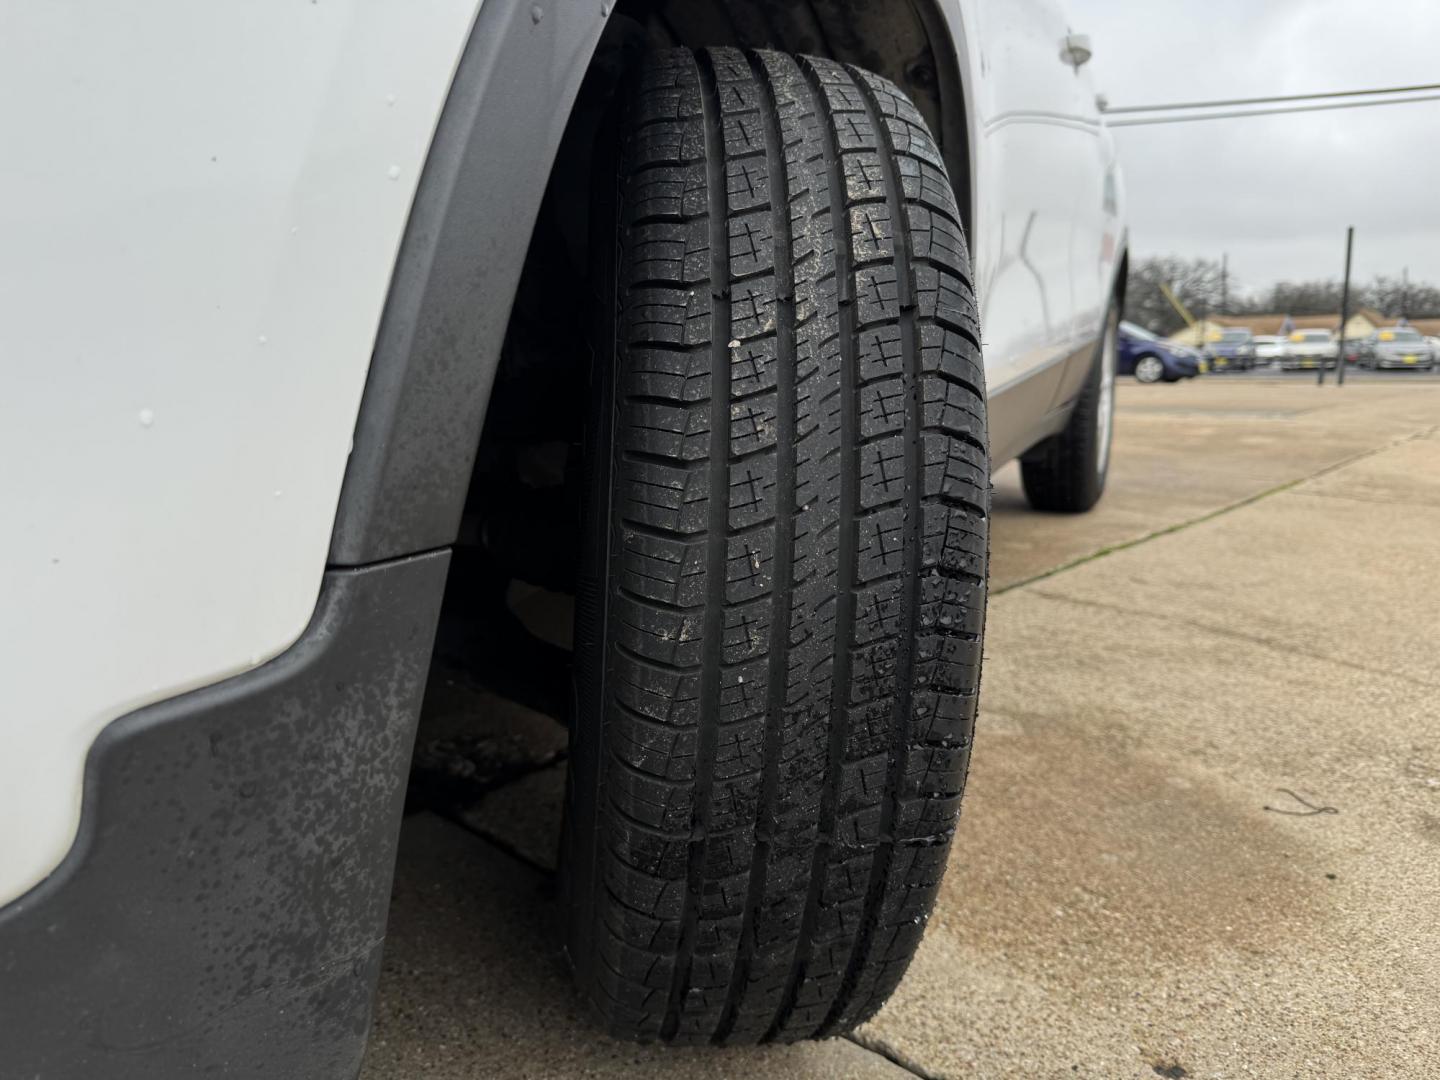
1272	100
1185	119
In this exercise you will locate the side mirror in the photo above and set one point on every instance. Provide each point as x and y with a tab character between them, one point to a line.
1075	49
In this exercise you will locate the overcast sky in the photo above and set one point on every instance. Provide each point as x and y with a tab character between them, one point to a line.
1276	192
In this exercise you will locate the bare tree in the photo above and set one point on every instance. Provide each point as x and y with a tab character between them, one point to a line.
1391	296
1303	298
1195	282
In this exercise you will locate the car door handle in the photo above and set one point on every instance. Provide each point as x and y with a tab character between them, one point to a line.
1075	49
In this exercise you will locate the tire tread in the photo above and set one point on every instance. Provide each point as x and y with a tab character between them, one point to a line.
798	535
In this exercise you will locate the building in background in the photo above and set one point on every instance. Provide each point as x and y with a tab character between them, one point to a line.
1360	324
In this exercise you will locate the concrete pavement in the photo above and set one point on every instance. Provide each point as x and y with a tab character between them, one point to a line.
1202	830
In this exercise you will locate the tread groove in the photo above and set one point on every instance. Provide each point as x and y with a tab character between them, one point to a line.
780	603
845	598
910	583
718	509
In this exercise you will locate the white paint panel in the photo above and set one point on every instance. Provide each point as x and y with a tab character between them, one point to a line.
1039	165
200	207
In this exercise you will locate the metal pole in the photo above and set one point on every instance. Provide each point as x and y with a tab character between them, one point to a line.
1344	310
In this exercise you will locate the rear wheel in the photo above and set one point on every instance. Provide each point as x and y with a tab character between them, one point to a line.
1066	472
779	633
1149	369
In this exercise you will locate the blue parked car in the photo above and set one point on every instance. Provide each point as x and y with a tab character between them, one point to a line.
1233	350
1152	359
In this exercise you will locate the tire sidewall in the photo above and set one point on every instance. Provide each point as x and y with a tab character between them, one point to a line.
1106	362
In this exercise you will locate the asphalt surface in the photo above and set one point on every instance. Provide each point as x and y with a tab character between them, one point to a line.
1352	374
1202	830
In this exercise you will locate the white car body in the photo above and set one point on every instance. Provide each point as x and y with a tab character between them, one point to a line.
1269	348
1309	349
190	284
201	210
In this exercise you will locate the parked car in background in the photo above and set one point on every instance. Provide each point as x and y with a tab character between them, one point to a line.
1268	349
1152	359
1397	347
1308	349
1233	351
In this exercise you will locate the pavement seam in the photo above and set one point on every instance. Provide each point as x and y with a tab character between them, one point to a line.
1348	497
1236	635
1125	545
890	1054
504	847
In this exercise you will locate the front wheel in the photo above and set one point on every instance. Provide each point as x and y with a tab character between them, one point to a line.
780	618
1066	473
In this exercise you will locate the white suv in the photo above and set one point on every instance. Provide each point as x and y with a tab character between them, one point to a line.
293	295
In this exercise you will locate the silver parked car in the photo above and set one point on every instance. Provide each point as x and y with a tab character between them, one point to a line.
1397	347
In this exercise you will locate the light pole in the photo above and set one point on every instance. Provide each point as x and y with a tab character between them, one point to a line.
1344	313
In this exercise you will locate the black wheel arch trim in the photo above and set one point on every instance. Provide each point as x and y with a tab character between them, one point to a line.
224	904
480	191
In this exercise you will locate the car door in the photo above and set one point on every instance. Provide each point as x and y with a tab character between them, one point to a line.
1042	183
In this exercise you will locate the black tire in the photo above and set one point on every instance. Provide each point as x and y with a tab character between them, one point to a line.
1066	473
780	635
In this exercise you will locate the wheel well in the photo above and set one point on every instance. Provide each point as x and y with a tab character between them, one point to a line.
909	42
519	518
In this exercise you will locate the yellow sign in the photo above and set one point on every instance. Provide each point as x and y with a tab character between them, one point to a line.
1387	336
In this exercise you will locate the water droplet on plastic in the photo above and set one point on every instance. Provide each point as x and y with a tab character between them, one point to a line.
262	339
389	99
147	417
394	172
536	14
278	493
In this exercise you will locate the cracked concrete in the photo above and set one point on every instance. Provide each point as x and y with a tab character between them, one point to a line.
1120	901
